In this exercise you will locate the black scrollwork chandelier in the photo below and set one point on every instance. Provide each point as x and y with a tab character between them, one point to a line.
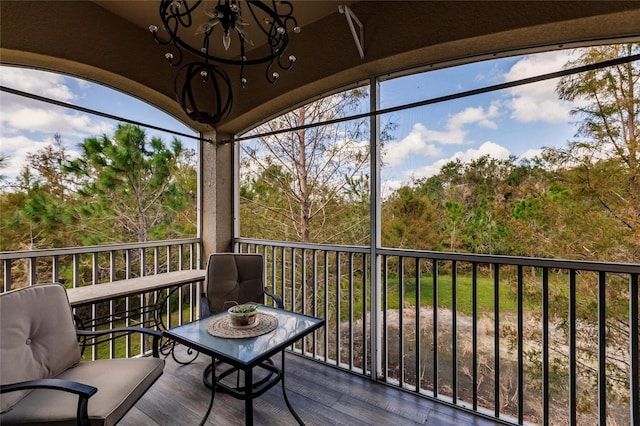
219	32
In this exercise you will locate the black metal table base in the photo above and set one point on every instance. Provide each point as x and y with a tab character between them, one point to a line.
248	390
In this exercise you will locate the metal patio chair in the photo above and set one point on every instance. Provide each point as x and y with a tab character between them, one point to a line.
42	376
235	278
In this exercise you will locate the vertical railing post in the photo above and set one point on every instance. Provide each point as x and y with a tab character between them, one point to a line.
142	253
496	340
95	279
546	391
128	260
6	264
314	298
338	308
33	270
602	349
156	261
55	269
293	279
417	325
474	333
520	345
634	351
384	347
112	265
454	331
435	326
76	269
573	393
283	289
350	316
400	321
365	310
326	305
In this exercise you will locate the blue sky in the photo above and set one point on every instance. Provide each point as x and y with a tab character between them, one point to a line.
516	122
28	125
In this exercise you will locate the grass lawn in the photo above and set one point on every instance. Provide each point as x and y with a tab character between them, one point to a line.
464	293
464	288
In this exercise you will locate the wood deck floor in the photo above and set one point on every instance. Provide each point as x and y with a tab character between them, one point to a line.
321	395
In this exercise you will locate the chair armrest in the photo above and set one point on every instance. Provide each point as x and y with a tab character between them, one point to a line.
157	335
204	306
272	295
204	302
83	391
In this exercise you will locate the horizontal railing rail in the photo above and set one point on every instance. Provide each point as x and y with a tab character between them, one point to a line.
88	265
519	340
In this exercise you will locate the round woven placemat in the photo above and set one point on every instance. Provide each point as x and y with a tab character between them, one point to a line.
222	327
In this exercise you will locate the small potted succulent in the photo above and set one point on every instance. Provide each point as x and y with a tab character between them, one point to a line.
243	315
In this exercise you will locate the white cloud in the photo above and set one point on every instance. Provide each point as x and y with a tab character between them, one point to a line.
538	101
36	82
530	154
48	120
388	187
21	147
472	115
423	141
395	152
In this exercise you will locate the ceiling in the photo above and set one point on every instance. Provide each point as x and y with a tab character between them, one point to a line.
109	42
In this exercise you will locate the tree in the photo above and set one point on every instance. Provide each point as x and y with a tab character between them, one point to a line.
127	185
591	210
606	156
184	223
410	221
3	164
39	209
299	182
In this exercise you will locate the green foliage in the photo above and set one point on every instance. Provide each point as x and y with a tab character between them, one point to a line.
130	181
119	190
607	146
38	211
406	212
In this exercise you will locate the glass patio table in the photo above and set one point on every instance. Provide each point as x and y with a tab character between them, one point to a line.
245	354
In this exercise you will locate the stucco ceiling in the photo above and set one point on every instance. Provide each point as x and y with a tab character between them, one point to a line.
109	42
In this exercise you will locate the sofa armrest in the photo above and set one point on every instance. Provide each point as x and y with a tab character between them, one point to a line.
83	391
157	335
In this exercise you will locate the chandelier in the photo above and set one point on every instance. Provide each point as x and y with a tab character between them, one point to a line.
222	32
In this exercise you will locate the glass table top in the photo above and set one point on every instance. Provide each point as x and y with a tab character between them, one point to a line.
291	327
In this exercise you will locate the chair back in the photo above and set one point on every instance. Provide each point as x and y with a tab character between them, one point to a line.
38	337
233	278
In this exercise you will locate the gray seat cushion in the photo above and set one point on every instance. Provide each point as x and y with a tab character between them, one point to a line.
120	383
